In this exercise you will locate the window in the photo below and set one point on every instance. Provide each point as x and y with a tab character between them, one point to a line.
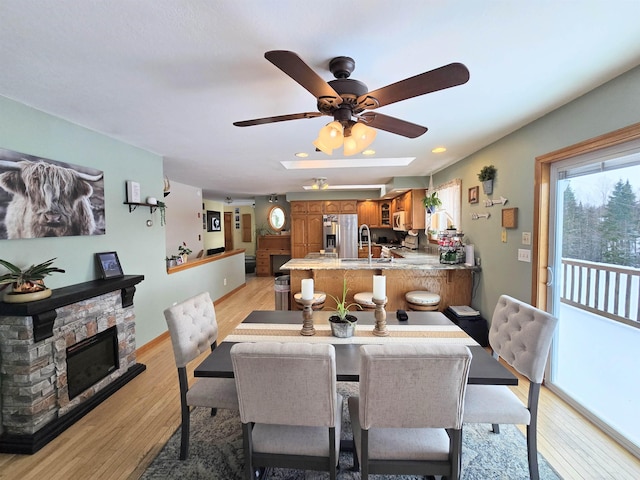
448	214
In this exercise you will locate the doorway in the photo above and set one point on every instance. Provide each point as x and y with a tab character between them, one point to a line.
228	231
590	252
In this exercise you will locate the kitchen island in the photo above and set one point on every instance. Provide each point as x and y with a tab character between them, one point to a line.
416	271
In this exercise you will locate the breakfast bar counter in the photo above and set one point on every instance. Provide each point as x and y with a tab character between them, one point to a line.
414	272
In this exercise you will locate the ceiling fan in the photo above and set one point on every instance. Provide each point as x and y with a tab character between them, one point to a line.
347	100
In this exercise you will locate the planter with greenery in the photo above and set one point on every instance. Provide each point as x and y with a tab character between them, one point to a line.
26	284
486	176
343	324
184	251
431	202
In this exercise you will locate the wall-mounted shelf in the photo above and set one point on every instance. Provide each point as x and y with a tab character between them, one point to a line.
133	205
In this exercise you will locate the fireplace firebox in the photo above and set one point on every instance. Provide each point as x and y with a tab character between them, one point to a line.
90	360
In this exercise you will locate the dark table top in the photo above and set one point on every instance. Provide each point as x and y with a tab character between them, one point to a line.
484	368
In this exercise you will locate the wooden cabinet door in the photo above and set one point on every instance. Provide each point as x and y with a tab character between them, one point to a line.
368	213
314	233
348	206
384	209
298	207
315	207
332	206
298	236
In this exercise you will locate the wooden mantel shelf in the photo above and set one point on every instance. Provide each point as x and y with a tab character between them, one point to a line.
44	311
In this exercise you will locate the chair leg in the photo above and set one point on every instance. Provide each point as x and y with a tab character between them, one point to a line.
532	431
364	450
495	428
184	438
214	411
248	451
333	461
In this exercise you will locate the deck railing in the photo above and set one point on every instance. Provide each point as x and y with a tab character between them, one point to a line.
609	290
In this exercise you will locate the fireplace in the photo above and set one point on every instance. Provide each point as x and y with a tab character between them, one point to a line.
90	360
60	357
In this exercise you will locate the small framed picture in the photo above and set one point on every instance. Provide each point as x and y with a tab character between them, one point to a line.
510	218
109	265
179	261
473	194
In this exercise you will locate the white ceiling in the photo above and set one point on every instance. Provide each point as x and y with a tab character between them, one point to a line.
171	76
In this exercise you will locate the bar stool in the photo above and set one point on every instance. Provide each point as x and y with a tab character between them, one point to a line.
318	300
365	300
421	300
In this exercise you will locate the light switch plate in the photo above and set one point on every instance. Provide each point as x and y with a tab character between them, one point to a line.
504	236
524	255
526	238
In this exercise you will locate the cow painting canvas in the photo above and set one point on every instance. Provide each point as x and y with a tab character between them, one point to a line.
45	198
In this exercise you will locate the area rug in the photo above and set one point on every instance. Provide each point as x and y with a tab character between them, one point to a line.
215	452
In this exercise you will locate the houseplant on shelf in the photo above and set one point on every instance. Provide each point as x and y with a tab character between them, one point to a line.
184	251
343	324
26	284
431	202
486	176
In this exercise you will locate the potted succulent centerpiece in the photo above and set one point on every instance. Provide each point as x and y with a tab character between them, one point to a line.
343	323
486	176
26	285
431	202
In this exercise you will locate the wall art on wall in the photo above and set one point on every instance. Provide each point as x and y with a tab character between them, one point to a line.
473	194
46	198
213	221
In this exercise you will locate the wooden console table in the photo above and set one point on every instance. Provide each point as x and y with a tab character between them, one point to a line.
270	246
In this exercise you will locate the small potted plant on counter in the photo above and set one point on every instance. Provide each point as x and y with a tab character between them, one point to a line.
343	323
26	284
184	251
431	202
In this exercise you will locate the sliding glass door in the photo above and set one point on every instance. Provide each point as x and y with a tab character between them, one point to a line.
594	284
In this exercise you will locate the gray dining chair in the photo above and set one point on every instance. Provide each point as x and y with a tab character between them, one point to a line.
407	419
521	336
194	330
290	410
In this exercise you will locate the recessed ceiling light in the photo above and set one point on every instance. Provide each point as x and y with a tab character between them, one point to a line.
439	150
369	152
302	154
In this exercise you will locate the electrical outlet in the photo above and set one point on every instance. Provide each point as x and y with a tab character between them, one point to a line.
524	255
526	238
224	282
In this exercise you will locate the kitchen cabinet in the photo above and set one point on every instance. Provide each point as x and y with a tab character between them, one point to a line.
306	234
340	206
414	212
384	211
270	246
369	213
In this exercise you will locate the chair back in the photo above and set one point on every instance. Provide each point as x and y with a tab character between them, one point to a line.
192	326
407	386
286	383
521	335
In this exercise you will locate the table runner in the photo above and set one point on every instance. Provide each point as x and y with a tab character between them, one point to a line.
281	332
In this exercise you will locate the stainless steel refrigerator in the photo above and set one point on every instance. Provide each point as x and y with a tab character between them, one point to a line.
340	234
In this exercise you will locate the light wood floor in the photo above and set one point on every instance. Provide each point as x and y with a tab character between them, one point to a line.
120	437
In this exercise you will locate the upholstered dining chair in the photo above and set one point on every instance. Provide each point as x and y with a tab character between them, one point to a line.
521	335
194	330
290	410
407	419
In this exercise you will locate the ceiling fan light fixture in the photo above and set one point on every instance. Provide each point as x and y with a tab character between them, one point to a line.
332	134
320	145
320	183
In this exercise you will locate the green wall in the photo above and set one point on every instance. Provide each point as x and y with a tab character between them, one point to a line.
141	249
614	105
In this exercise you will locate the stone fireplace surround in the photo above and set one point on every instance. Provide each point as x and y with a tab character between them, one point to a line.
34	400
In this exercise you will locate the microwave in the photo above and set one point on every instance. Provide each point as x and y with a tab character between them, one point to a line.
398	221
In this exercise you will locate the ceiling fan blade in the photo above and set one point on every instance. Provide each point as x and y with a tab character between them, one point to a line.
392	125
280	118
291	64
444	77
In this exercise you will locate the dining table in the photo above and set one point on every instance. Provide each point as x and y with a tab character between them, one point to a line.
420	327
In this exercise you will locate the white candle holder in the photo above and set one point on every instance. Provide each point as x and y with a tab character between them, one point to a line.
380	329
307	318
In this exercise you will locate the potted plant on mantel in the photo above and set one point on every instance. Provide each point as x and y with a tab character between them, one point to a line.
486	176
26	284
343	324
431	202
